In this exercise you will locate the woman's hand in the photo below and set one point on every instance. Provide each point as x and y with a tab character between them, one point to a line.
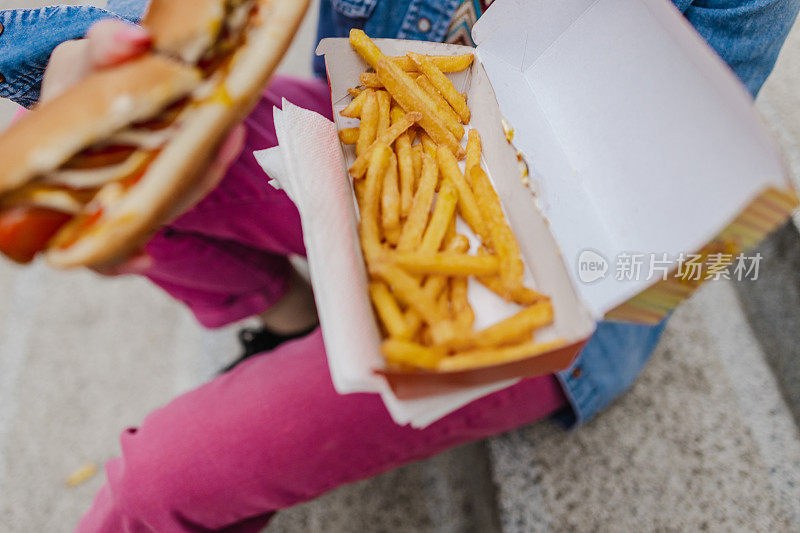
108	43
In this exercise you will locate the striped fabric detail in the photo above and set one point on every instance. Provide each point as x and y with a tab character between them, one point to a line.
467	14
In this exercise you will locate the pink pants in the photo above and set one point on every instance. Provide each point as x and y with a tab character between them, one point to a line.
273	432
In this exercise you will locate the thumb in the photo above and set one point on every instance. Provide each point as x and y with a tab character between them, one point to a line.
138	263
113	41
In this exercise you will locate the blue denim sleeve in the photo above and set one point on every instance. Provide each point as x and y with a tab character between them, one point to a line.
419	20
747	34
29	36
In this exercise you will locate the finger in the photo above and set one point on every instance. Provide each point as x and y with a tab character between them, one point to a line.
227	154
139	263
68	64
232	147
113	41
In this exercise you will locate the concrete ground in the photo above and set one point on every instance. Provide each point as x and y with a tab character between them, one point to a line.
706	440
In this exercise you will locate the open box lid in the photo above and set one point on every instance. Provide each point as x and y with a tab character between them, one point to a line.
639	138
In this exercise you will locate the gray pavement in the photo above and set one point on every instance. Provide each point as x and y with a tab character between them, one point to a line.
707	438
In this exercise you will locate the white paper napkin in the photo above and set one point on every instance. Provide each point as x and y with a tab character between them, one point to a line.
308	165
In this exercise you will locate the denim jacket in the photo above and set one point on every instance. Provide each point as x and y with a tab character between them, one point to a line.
747	34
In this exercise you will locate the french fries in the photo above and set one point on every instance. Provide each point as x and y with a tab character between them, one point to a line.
349	136
414	229
368	51
511	329
474	149
370	80
496	356
444	63
384	111
389	311
369	124
518	295
405	163
449	117
428	146
388	137
355	108
446	263
443	214
467	204
370	209
412	98
410	189
459	303
443	85
500	234
416	154
405	353
390	204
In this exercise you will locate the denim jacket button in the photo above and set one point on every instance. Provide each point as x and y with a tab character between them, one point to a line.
424	25
577	372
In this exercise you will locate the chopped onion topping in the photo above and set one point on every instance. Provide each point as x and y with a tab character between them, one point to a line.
96	177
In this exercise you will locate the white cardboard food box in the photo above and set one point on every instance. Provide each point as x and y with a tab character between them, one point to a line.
638	138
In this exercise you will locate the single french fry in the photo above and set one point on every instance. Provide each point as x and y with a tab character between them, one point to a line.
444	63
349	136
417	220
525	321
467	204
416	154
446	263
355	92
360	190
451	230
81	475
392	317
443	85
459	302
457	243
390	203
405	162
361	163
497	356
428	145
402	353
406	167
501	237
519	295
368	129
443	213
408	292
412	98
473	154
446	113
444	306
370	212
356	107
370	80
367	49
384	111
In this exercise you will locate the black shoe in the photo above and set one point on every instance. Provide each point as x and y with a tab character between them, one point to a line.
255	341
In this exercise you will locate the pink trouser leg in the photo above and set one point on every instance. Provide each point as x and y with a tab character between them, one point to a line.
226	258
273	433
